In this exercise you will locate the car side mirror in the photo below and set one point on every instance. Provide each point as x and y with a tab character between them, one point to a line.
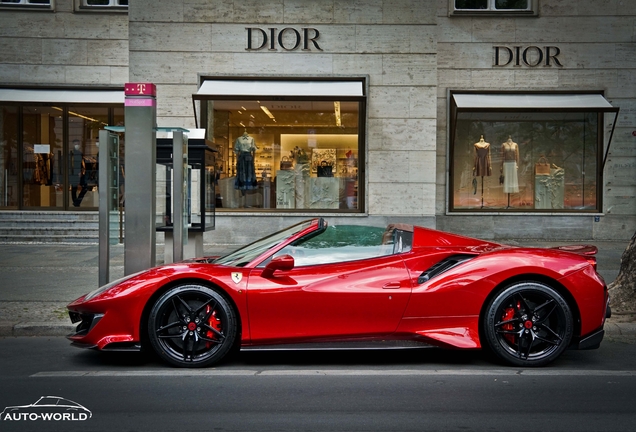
282	263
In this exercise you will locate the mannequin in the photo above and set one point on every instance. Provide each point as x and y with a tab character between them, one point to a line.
510	158
245	148
77	175
482	165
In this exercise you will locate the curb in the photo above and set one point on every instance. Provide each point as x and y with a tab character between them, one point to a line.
620	329
23	329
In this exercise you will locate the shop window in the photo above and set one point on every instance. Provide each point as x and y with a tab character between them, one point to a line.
509	154
492	7
287	153
49	146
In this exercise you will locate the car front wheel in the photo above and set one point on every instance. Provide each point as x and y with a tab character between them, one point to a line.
528	324
192	326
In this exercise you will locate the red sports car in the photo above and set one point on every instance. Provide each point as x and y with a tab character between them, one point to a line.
313	285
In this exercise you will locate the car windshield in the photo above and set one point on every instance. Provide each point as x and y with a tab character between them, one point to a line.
246	254
348	243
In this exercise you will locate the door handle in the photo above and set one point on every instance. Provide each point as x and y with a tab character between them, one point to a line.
391	285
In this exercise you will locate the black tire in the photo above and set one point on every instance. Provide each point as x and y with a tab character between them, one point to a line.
528	324
192	326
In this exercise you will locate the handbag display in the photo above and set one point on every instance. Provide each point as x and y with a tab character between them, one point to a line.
542	167
324	169
285	163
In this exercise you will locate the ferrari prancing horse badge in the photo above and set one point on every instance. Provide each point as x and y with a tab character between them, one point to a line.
237	277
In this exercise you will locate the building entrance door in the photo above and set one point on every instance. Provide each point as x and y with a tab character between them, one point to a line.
42	179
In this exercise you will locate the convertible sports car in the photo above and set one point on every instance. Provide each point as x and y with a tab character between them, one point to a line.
317	286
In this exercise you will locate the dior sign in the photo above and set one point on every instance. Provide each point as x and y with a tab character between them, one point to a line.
530	56
288	39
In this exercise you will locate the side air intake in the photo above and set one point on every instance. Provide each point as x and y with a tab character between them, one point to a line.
443	266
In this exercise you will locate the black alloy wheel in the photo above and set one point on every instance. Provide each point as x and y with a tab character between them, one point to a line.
192	326
528	324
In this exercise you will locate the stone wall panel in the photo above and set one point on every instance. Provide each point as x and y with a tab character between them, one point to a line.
87	75
358	11
409	70
64	51
396	39
401	134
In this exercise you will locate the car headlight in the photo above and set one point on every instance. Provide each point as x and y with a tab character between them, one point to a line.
104	288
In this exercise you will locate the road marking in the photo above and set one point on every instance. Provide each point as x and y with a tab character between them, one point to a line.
333	372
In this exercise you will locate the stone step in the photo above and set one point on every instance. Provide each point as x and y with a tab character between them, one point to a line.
30	215
48	239
52	227
47	223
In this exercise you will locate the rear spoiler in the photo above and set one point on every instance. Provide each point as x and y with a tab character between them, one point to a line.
587	250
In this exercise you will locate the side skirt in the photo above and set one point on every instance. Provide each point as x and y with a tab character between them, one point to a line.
325	346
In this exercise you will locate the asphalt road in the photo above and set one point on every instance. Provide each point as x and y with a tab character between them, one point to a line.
419	390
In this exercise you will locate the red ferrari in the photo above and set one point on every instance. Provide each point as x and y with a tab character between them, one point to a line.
318	286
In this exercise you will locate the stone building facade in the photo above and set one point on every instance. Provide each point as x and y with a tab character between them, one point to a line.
414	60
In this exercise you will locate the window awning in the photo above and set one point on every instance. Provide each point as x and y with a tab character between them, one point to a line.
229	87
62	96
578	102
595	102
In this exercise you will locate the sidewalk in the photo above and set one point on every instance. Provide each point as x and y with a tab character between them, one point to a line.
39	280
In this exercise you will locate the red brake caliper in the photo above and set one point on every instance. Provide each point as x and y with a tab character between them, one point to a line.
215	323
508	315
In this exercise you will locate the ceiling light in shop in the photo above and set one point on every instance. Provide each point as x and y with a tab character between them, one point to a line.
268	112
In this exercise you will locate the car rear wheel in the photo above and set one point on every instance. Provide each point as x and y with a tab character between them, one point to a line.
528	324
192	326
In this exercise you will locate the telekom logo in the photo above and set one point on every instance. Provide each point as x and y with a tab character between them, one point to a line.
140	89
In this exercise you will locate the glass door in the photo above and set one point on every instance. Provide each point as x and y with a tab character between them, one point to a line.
42	170
84	124
8	157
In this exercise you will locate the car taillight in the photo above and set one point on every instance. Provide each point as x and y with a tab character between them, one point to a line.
592	261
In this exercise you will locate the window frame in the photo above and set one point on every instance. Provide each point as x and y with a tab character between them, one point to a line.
532	11
82	6
201	116
25	5
601	145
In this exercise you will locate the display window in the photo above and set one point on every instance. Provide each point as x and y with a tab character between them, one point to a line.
287	153
537	155
49	150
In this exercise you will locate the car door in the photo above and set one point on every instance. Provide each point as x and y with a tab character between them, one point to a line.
358	298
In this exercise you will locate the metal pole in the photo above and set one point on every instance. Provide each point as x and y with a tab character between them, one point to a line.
104	177
177	196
